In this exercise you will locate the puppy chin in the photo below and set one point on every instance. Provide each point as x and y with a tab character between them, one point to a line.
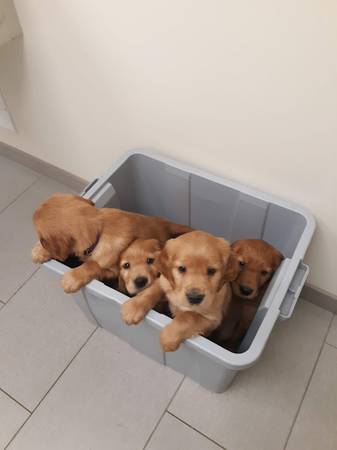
133	292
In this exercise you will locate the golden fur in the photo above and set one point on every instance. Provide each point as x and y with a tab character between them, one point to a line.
258	261
69	225
139	262
209	266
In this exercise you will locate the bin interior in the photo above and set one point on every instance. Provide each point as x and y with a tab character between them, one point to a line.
151	187
148	186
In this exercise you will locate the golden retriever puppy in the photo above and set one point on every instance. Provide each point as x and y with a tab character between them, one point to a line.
195	273
138	266
71	225
258	261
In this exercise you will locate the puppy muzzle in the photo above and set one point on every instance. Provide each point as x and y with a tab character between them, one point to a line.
140	282
194	297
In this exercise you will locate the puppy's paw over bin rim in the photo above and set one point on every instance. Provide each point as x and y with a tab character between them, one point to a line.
149	183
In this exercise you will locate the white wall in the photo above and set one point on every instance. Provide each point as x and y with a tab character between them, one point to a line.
245	89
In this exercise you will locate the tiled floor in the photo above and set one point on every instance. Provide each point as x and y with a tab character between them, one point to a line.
65	385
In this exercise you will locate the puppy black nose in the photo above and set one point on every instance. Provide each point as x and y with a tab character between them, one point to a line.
245	290
140	282
195	297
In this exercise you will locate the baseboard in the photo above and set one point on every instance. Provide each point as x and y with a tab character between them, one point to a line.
310	293
75	183
320	298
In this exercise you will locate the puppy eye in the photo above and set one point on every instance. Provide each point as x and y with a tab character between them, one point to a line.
211	271
150	260
242	263
182	269
126	265
264	272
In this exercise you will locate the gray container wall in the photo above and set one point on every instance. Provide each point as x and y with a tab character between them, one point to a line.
150	184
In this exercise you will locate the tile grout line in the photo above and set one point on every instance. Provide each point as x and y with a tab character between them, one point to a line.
198	431
163	413
16	401
331	345
326	337
308	384
4	209
20	195
51	387
21	286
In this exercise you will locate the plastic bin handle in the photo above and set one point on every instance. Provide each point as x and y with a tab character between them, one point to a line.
88	186
294	290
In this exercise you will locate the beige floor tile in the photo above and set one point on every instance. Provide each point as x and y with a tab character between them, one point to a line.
110	397
17	236
173	434
41	329
257	411
12	417
332	336
14	179
316	425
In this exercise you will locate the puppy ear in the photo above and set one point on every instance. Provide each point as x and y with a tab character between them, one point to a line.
58	246
164	266
277	259
160	245
230	263
232	268
159	248
235	247
156	245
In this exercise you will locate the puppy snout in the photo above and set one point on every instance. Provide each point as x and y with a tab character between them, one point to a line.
140	282
245	290
195	297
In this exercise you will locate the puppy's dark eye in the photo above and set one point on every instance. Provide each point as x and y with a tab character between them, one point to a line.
150	260
264	272
182	269
126	265
242	263
211	271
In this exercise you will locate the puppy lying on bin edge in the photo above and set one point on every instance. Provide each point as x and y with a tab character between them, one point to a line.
258	261
71	225
196	270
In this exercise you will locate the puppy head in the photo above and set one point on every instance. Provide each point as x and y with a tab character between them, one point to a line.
139	265
258	261
195	266
66	225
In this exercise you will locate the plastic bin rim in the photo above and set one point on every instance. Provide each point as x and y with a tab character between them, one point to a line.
249	190
234	361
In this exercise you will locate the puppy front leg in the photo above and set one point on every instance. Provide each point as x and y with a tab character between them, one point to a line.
186	324
76	278
40	254
134	310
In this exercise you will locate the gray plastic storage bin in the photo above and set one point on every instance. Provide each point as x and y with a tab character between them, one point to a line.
152	184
